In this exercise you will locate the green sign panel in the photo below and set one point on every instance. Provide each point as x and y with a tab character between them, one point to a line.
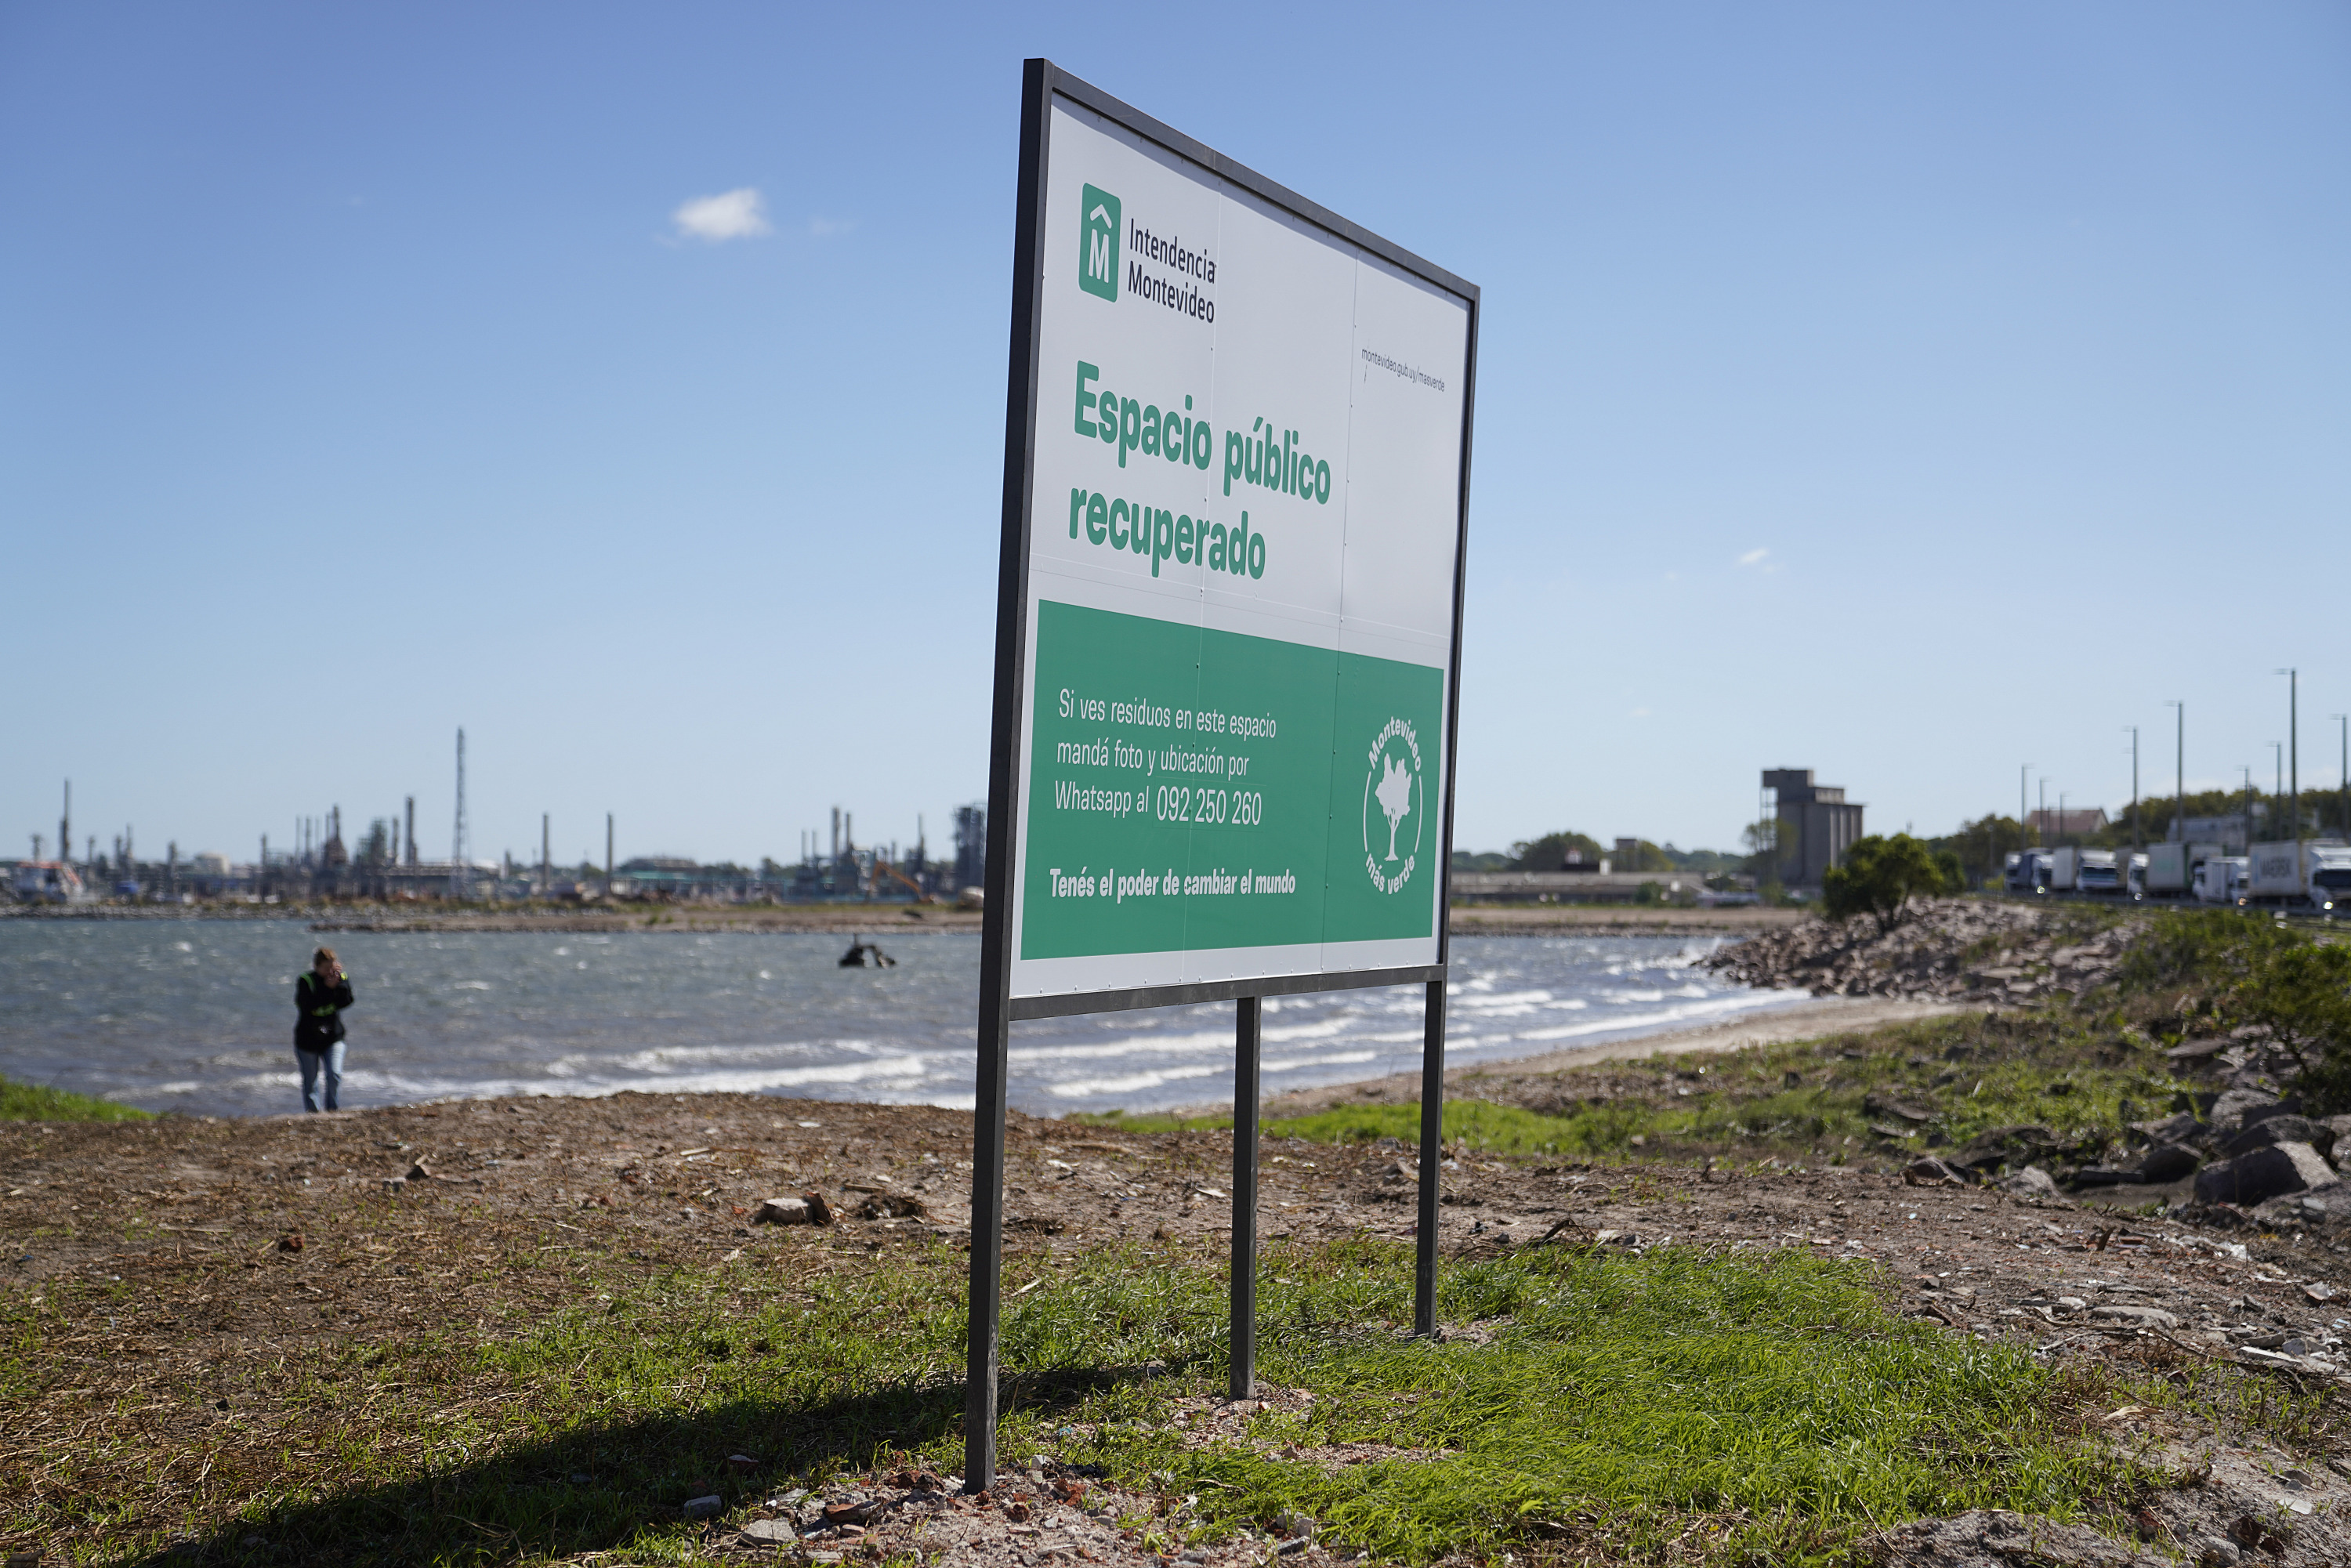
1198	789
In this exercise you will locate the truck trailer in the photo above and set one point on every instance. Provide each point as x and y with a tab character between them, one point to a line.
2286	872
2171	868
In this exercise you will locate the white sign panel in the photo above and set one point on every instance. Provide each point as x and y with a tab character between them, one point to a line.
1247	464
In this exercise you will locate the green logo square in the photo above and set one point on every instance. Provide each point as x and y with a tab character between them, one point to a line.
1098	232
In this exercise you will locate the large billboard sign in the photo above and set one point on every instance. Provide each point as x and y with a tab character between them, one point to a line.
1228	628
1245	449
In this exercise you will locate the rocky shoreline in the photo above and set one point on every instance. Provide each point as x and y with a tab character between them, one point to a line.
1953	949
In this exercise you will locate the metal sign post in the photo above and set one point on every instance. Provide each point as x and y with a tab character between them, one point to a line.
1228	629
1247	1013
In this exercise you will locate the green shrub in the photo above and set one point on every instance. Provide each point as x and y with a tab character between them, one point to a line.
1880	876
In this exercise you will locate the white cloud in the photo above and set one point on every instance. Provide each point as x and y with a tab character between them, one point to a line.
735	214
828	228
1752	556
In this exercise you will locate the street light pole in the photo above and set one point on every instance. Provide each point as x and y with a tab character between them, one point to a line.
2293	747
2343	775
2180	784
2277	771
2134	835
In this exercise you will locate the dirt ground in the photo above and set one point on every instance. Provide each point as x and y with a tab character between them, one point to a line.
196	1216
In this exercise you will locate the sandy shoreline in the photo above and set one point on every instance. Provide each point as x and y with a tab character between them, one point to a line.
1803	1020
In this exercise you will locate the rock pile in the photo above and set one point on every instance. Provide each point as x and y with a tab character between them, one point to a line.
1954	949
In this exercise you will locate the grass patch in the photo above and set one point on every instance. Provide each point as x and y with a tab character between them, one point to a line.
38	1102
2082	1074
1770	1401
1769	1397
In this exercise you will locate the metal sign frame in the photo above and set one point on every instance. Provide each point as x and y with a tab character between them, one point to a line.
1042	82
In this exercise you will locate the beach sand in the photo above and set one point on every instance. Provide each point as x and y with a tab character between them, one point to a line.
1497	1079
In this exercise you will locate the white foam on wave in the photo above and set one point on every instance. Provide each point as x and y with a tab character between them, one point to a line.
1506	999
1328	1058
896	1071
1134	1082
1322	1030
1137	1044
1640	1022
668	1058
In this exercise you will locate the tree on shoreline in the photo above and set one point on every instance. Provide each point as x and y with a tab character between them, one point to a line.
1880	876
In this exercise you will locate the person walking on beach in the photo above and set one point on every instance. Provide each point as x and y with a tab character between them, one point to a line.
321	992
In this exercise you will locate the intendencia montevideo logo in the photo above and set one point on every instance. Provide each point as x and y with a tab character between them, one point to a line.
1394	786
1098	232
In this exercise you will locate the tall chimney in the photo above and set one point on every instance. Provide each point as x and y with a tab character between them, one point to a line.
459	882
65	826
546	855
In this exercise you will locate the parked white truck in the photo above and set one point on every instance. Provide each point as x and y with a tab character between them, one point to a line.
2290	872
2097	873
2222	879
2330	877
2027	870
2068	866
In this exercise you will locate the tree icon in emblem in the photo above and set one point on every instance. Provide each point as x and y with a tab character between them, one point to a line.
1394	796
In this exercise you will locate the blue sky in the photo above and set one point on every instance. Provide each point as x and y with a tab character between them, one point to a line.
1905	393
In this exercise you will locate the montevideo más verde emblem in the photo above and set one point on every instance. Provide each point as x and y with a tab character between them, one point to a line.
1396	807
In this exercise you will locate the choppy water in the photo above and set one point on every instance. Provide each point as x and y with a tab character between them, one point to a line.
197	1016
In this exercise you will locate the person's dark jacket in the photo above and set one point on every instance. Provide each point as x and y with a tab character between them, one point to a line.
321	1007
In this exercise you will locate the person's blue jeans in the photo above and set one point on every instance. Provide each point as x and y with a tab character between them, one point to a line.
310	1061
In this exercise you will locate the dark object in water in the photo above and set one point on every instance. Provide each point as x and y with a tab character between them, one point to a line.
862	954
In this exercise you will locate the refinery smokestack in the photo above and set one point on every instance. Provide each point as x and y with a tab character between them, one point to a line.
459	882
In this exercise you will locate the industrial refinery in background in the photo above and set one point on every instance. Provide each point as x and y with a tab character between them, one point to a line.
383	862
